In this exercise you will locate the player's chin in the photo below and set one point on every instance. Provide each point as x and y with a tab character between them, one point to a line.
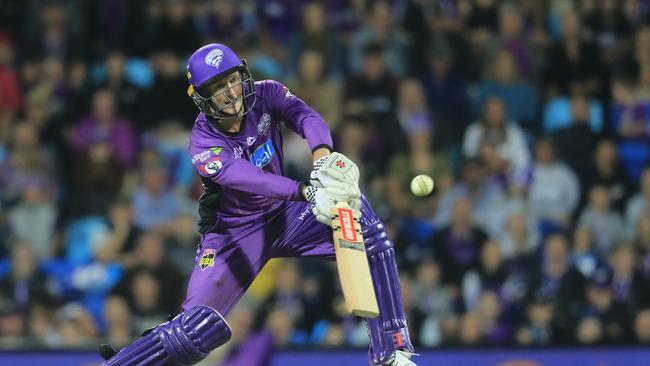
235	109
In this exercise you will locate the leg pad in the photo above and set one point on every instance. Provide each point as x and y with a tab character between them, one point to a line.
183	341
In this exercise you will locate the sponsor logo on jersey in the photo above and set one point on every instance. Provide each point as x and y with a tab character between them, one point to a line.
216	150
214	58
264	124
263	154
207	258
201	157
250	140
211	167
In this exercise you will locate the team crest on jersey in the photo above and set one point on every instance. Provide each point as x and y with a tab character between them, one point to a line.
207	259
214	58
263	154
264	124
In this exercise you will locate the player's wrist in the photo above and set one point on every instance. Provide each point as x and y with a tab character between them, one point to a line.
307	191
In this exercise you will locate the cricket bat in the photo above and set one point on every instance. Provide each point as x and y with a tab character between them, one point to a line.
352	263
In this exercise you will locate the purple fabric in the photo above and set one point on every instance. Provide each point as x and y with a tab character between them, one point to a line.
291	230
248	165
119	135
184	340
388	332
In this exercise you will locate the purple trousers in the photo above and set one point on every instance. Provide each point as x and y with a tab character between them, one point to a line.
228	261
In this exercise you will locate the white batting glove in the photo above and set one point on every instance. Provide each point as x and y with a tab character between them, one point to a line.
325	199
334	167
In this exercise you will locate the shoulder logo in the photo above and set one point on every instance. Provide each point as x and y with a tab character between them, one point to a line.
264	124
250	140
237	152
214	58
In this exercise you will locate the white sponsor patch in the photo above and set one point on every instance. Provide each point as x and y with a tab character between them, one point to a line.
264	124
214	58
250	140
201	157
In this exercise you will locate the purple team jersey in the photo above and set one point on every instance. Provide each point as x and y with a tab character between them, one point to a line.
242	172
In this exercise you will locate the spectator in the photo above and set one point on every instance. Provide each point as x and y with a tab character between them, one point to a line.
224	22
105	124
122	236
642	326
573	63
10	91
554	192
608	172
117	317
457	246
166	101
519	237
26	283
556	281
374	90
585	256
601	305
483	192
315	36
498	141
379	29
149	262
577	141
97	178
314	87
642	245
503	81
605	224
589	331
446	90
127	94
639	204
433	307
155	206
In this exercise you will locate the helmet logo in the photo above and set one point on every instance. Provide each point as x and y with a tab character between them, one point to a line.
214	58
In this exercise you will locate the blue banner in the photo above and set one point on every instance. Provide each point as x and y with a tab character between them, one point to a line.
495	357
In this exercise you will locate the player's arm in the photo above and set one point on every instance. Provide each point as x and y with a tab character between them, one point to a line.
301	118
220	165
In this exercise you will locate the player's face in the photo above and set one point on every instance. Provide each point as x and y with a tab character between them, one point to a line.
226	95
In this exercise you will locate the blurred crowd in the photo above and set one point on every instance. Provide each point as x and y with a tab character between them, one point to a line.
533	117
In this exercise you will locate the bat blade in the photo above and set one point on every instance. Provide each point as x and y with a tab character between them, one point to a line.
352	263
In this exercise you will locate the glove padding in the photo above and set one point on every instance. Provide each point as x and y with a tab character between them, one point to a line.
334	167
323	205
324	199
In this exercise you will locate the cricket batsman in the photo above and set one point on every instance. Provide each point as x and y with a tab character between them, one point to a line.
250	212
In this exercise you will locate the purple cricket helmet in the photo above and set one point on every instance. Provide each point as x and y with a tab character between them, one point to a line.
210	64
